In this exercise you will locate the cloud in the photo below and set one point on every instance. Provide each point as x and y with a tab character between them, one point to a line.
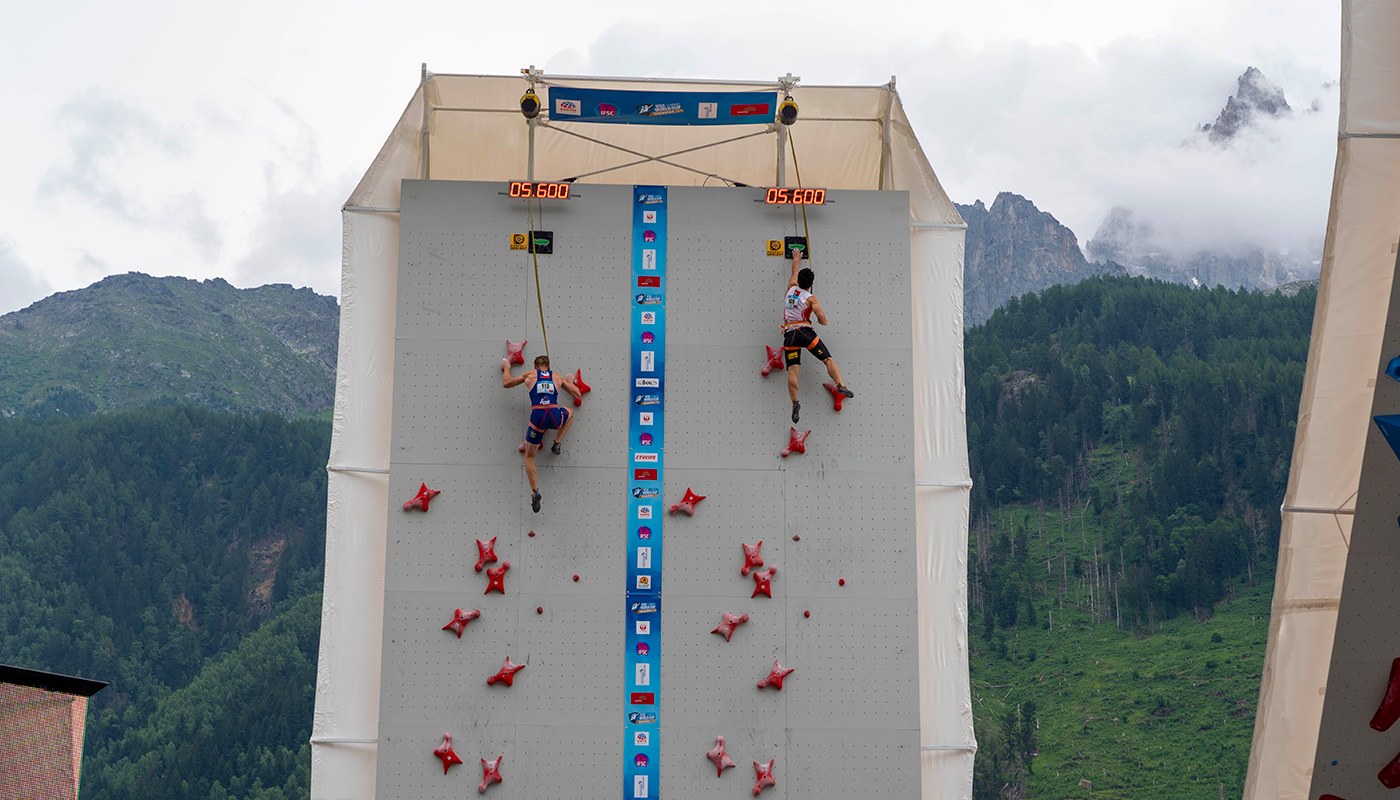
19	285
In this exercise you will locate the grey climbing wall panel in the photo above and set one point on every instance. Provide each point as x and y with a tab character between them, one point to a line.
846	722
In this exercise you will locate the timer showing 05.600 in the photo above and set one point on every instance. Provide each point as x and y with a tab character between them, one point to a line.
804	197
548	191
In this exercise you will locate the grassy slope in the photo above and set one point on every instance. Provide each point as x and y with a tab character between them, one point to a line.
1164	716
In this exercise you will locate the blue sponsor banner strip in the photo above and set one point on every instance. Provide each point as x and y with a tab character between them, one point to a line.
624	106
645	448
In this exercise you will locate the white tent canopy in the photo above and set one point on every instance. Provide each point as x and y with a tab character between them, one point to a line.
469	127
1358	263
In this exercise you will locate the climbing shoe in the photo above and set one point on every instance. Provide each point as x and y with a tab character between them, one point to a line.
556	447
796	410
535	502
845	391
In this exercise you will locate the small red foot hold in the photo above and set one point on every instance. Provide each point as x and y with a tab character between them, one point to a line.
507	674
496	578
721	758
490	773
420	500
1390	773
751	558
687	503
460	619
1389	710
763	582
835	395
764	776
515	352
444	752
726	628
797	443
521	448
775	677
583	388
775	360
485	553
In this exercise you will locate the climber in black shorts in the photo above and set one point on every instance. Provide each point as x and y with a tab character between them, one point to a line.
799	306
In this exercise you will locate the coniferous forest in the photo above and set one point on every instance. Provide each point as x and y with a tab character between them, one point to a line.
1129	439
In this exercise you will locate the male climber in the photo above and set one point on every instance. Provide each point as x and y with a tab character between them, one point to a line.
545	414
799	306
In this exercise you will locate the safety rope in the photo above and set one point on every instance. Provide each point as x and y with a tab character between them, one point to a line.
534	254
797	169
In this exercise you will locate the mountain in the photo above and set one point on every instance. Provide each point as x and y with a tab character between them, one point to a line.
131	340
1013	248
1256	97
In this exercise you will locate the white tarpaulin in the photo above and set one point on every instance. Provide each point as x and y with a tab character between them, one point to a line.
1333	417
462	127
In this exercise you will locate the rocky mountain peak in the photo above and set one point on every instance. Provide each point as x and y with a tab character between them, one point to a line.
1255	97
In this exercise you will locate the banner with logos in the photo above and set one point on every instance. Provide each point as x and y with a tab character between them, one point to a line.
645	450
573	104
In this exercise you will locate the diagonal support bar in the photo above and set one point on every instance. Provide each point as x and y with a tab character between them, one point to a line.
643	158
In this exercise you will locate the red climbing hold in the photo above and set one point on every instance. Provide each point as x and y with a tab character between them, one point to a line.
796	538
775	677
507	674
806	613
485	553
726	628
539	609
444	752
531	534
515	353
1390	773
420	500
497	578
797	443
763	582
583	388
687	503
764	779
841	582
751	557
575	579
835	395
522	447
460	620
490	773
774	361
1389	710
720	757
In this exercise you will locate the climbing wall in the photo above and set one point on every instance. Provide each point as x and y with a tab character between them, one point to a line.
837	522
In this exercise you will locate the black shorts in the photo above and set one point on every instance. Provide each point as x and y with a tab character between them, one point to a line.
797	339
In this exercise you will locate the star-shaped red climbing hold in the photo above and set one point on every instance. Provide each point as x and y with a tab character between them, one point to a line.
763	776
583	388
797	443
763	582
496	578
687	503
485	553
460	619
515	352
720	757
751	557
726	628
444	752
420	500
775	677
490	773
773	361
507	672
835	395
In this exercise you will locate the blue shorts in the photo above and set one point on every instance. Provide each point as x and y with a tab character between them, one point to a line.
545	419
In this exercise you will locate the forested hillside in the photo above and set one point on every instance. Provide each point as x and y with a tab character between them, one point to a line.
1130	443
177	553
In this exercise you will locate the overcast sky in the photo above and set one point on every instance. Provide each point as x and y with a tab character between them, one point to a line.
213	140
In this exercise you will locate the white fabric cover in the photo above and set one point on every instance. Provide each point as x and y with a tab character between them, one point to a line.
1333	416
474	131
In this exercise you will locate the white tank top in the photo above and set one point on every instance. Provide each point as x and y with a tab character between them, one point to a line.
795	310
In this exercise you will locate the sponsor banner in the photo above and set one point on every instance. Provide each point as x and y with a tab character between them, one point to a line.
642	689
645	107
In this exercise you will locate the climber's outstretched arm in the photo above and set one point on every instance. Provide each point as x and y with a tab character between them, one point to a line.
507	380
796	267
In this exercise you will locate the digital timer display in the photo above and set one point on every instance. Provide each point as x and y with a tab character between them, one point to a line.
801	197
541	189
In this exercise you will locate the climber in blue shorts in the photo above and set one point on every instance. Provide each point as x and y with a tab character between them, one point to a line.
545	414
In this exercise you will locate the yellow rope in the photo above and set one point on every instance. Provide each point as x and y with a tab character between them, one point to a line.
795	168
534	254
